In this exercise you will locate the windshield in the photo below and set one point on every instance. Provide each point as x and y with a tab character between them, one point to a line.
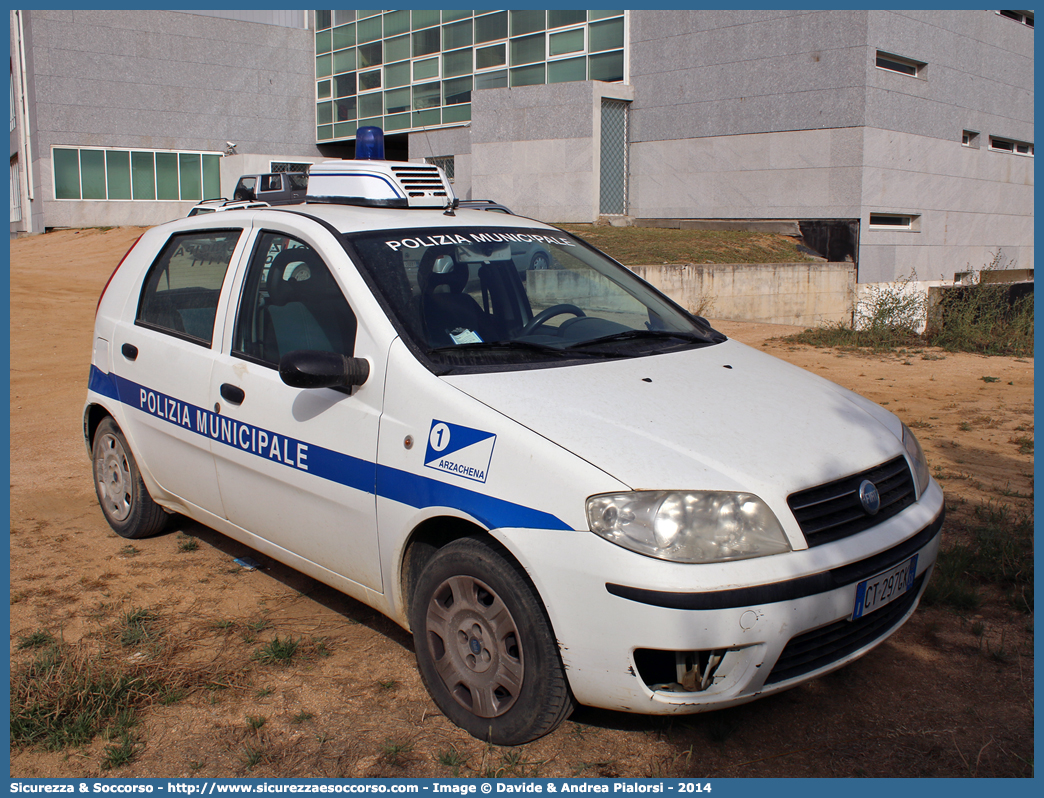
472	298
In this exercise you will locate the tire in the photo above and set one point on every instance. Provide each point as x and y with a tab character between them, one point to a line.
124	500
485	648
540	261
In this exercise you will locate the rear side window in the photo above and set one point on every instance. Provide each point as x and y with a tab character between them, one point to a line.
181	290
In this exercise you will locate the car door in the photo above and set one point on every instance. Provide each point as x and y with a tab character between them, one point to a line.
163	356
296	466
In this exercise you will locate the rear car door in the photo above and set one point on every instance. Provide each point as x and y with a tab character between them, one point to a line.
163	355
296	466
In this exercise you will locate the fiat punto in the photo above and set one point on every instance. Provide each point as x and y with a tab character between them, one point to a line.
567	487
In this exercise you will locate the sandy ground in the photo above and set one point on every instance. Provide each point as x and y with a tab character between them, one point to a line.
934	700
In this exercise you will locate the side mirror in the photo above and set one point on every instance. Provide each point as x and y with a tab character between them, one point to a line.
311	369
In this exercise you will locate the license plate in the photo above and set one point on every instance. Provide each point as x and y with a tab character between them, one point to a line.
875	592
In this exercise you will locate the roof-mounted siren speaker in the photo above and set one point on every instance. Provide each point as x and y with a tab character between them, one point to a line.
372	181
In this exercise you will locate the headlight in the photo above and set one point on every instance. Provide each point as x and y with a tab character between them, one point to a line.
920	464
688	526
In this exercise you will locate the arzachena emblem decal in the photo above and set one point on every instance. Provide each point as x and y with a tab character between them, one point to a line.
869	497
458	450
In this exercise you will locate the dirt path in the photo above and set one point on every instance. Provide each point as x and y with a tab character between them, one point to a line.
935	700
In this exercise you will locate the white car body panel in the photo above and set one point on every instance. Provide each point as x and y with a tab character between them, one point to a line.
539	442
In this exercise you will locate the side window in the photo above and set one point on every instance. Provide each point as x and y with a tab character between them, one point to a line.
271	183
181	290
290	302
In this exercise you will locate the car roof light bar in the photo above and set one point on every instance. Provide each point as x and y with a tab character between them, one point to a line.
373	182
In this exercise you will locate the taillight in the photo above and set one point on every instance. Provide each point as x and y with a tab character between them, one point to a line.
106	288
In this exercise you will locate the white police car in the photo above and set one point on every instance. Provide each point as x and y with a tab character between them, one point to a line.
568	488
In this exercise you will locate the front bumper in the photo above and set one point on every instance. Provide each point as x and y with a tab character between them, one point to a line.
737	630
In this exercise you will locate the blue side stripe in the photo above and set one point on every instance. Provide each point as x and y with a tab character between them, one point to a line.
102	383
389	483
420	492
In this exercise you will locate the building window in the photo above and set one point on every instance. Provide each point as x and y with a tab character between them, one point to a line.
16	192
93	174
1025	17
970	138
1010	145
895	221
897	63
441	57
444	162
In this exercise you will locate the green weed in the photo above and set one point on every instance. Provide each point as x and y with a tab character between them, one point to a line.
889	314
253	755
277	651
977	318
37	639
138	627
950	584
1024	442
393	750
122	753
999	552
66	695
452	759
982	318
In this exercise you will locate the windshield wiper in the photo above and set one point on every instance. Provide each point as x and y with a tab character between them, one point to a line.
637	335
523	346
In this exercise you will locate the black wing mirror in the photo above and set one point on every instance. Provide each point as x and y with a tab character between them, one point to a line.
311	369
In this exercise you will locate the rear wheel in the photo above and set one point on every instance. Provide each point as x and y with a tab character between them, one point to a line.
124	500
485	648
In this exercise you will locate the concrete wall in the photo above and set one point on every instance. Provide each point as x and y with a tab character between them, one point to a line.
809	294
786	175
973	205
166	81
537	148
722	73
979	74
784	114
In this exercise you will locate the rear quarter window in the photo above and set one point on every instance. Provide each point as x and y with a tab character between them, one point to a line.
183	285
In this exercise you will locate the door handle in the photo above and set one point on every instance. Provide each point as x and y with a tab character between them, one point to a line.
130	351
232	393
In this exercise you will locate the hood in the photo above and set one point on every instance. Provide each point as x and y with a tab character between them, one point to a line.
723	417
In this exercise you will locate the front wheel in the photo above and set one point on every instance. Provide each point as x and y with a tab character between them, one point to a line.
485	648
122	494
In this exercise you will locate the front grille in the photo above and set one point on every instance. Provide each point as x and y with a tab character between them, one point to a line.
832	511
826	645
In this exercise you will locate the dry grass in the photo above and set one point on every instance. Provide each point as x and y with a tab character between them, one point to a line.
642	246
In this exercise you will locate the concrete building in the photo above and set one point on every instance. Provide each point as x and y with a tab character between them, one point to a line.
902	140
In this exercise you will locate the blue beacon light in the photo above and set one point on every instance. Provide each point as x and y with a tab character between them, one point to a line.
369	144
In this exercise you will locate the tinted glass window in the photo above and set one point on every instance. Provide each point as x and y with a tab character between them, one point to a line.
291	302
183	285
484	297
